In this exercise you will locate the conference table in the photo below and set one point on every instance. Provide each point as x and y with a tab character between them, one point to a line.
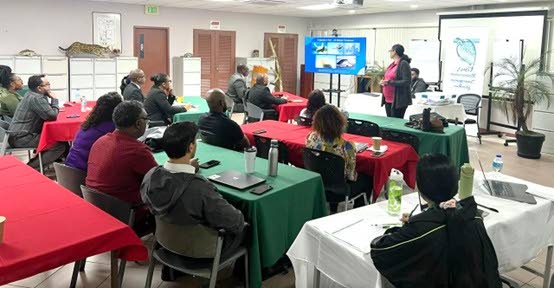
65	127
452	143
290	110
519	232
399	155
194	114
48	226
275	217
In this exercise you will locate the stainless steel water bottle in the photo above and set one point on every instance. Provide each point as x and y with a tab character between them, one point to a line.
273	157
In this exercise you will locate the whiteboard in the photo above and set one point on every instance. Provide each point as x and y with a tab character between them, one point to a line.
502	49
425	56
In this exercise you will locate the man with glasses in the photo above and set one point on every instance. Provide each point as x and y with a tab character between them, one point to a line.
38	105
118	162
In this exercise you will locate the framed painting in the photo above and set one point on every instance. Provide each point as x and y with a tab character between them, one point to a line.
106	29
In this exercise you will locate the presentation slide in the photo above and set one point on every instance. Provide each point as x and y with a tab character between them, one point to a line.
335	55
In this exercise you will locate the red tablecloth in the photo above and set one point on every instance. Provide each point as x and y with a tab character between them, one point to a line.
290	110
63	129
48	226
399	155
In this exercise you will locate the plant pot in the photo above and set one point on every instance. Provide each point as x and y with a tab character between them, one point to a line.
529	145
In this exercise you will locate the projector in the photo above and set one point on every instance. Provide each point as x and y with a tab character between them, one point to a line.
349	4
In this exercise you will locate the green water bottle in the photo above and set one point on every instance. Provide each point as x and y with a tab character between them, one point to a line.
395	188
466	181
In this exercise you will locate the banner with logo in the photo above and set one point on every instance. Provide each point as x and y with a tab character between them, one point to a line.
465	60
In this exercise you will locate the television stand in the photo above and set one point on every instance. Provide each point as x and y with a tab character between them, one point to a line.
331	90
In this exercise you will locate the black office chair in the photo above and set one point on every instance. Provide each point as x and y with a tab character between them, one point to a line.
304	121
72	179
263	144
471	106
331	169
191	266
208	137
119	209
363	128
401	137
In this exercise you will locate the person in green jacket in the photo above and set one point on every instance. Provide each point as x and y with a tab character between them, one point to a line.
9	99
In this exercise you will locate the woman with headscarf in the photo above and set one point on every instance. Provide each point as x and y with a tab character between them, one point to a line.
444	246
396	83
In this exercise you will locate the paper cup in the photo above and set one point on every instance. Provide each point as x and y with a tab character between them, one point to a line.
250	159
376	143
2	223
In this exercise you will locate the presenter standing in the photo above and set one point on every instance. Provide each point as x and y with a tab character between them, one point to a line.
396	83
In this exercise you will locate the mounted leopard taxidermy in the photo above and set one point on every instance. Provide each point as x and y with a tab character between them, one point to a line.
78	49
27	53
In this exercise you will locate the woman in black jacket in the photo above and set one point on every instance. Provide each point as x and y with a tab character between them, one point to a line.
396	83
158	103
444	246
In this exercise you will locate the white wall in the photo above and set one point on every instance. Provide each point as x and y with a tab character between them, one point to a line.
44	25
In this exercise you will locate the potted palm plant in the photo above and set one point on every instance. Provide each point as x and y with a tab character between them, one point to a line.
518	88
376	74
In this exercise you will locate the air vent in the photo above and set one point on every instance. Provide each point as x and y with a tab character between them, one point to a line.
266	2
349	4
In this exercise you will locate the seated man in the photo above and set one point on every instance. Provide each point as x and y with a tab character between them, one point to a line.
444	246
130	86
117	161
188	208
260	96
418	84
29	116
237	85
9	99
221	130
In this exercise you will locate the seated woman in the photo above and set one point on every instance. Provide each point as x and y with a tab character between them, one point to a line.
444	246
328	126
316	100
159	101
98	123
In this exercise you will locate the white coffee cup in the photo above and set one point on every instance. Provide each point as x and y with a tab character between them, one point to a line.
2	225
250	159
376	143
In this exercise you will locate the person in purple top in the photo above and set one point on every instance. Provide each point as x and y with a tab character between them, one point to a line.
99	123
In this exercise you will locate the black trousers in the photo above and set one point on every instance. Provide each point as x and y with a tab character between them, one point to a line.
393	112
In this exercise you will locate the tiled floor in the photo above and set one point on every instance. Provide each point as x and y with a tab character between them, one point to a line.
97	268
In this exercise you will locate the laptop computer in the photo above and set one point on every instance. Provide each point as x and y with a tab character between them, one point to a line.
507	190
235	179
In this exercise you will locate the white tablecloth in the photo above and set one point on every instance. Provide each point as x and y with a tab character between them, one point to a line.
366	104
519	232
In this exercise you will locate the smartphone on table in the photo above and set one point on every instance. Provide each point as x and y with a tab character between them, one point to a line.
209	164
259	190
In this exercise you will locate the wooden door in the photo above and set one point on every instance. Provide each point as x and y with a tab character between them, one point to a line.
217	52
151	46
286	47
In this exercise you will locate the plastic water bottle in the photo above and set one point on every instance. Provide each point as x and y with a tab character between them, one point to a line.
395	188
273	157
497	163
83	100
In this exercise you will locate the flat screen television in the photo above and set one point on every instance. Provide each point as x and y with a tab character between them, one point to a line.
335	55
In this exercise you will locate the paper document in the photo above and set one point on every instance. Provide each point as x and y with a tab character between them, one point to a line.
359	235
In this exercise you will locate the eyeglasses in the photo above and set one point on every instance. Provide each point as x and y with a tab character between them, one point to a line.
146	120
45	84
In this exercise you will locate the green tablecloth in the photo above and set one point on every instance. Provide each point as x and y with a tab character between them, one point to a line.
194	114
453	142
277	216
